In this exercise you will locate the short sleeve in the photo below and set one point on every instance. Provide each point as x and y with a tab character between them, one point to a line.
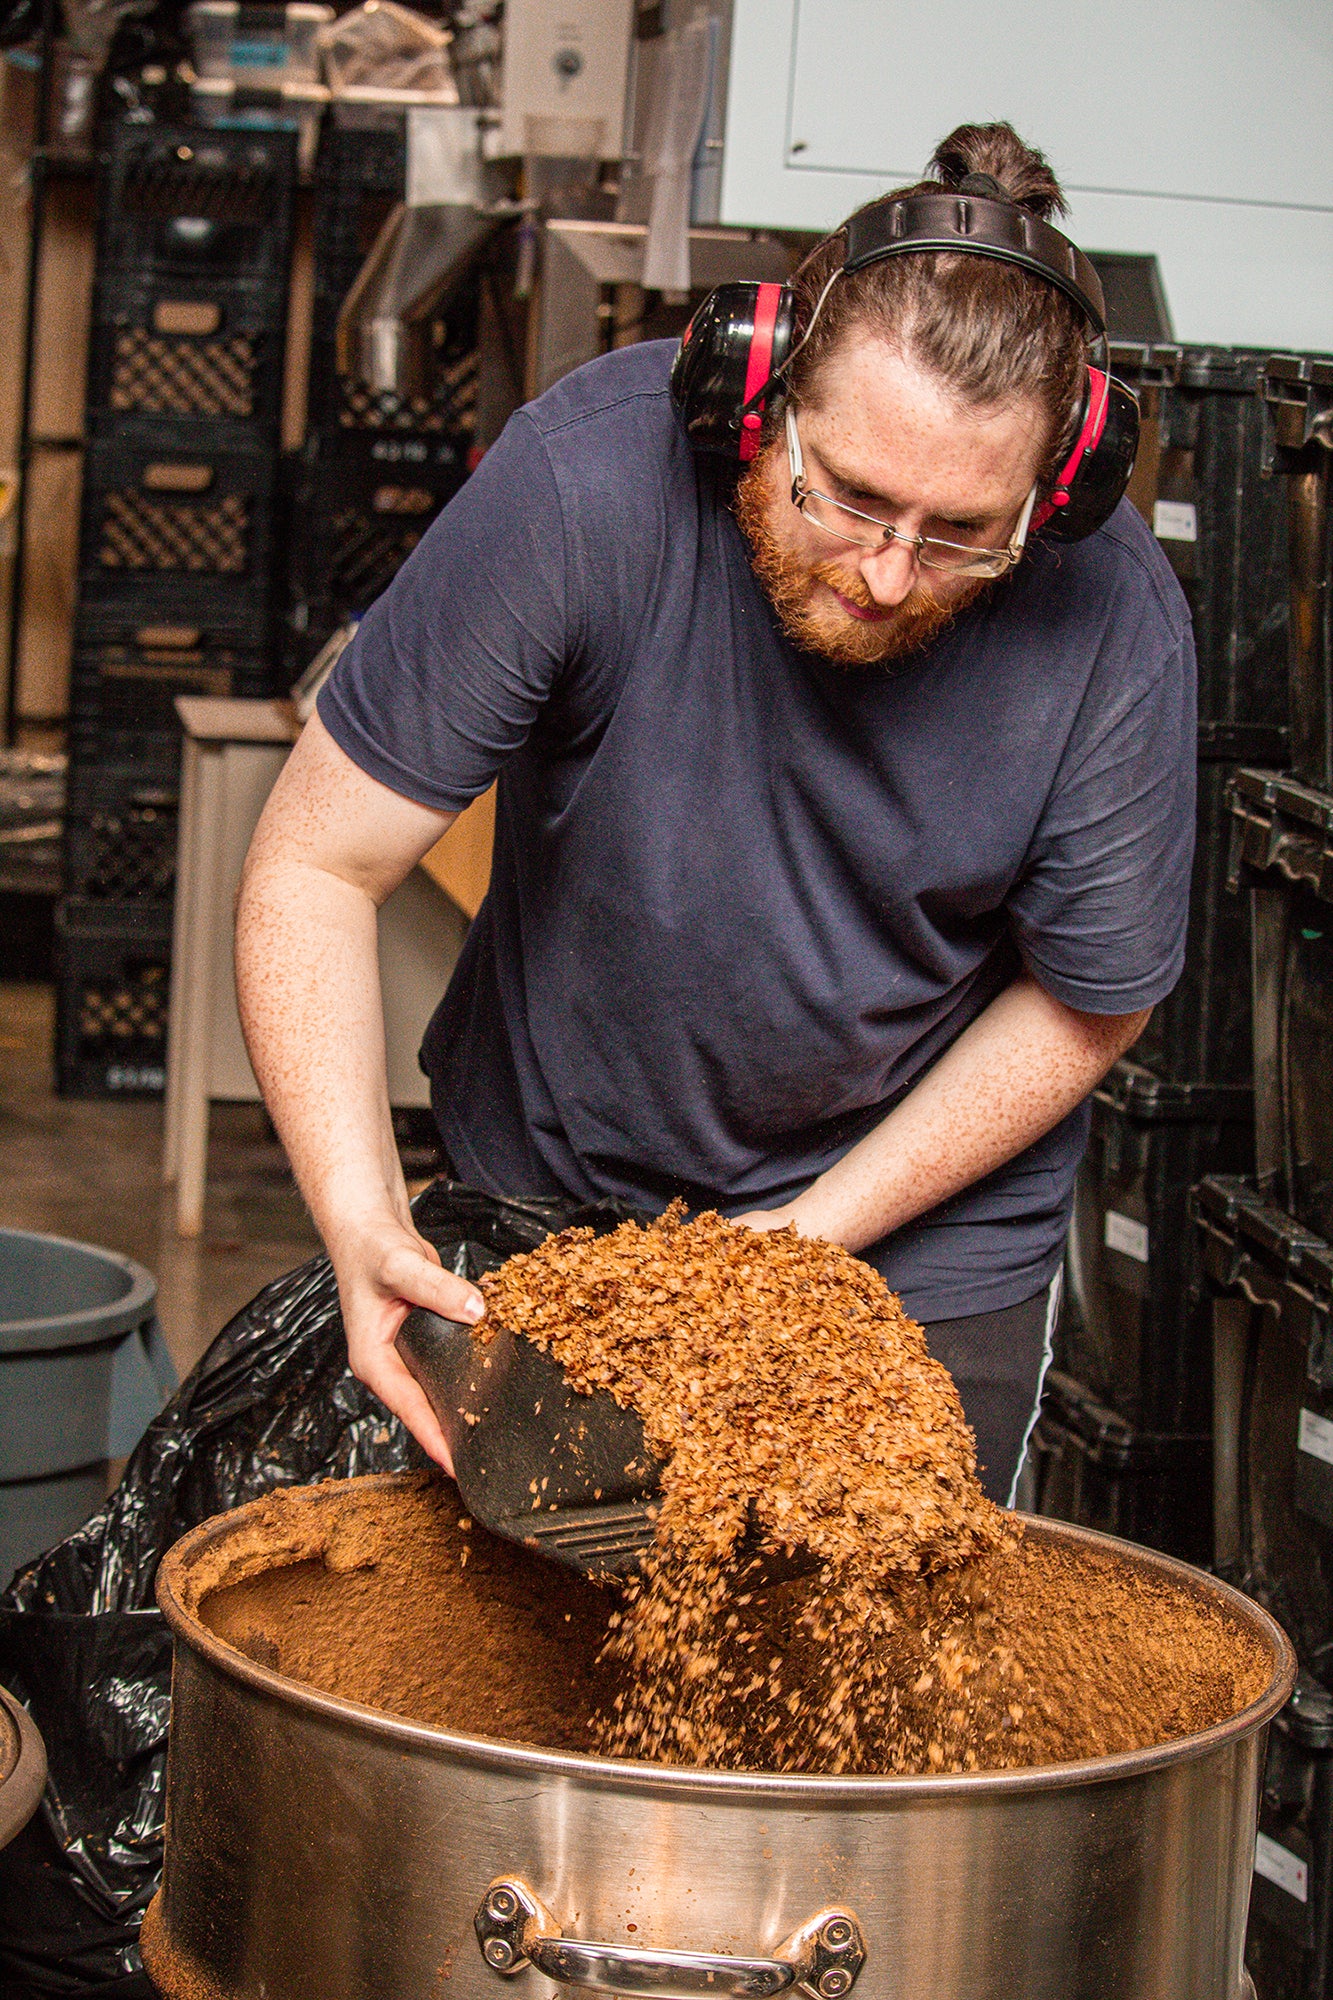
1101	909
449	668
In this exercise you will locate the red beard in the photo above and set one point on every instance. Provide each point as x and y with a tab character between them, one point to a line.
812	618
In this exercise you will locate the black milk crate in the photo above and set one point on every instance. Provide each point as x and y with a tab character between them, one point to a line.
1201	1032
1282	853
186	200
170	528
112	988
1220	519
364	501
1289	1948
195	351
360	178
1132	1327
121	826
1298	399
1271	1287
125	679
1089	1466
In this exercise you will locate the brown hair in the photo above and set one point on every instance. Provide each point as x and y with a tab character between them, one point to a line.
993	332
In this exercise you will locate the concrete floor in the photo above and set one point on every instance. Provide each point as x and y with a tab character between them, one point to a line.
93	1171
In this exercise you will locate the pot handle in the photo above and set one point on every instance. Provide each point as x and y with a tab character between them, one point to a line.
515	1929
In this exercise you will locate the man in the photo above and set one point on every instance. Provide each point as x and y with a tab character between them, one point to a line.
843	835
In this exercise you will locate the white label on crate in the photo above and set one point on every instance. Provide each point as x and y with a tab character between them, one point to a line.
1124	1234
1315	1435
1175	521
1278	1864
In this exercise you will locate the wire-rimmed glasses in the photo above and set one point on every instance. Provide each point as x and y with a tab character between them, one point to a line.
849	524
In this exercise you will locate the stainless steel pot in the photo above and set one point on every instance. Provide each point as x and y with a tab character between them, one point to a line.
318	1850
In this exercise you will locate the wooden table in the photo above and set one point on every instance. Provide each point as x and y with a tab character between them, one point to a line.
233	752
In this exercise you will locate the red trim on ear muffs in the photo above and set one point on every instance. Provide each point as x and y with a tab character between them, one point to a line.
758	364
1097	401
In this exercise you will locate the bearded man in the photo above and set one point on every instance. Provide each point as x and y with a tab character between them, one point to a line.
844	827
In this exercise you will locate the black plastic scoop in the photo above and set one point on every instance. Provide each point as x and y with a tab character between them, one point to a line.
569	1475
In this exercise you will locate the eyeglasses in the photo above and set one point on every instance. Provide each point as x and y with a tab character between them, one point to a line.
849	524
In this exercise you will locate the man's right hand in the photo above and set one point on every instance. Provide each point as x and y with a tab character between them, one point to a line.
383	1270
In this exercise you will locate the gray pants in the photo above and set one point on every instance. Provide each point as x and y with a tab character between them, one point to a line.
999	1360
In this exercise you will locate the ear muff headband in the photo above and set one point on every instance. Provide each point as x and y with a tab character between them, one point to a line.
976	226
1096	402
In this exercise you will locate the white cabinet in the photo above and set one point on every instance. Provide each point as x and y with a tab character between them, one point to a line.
1200	131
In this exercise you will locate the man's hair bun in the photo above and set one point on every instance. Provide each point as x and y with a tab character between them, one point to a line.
1023	174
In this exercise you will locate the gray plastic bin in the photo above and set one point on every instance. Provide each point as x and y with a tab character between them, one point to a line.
83	1370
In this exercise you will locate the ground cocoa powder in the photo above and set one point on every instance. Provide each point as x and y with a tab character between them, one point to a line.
380	1590
798	1412
374	1590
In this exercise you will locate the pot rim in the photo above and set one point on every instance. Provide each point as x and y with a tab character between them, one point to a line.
22	1770
701	1781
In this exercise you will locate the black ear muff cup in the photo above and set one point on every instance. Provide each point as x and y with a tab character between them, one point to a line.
739	338
1097	486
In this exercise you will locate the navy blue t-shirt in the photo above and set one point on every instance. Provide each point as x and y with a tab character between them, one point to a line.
742	897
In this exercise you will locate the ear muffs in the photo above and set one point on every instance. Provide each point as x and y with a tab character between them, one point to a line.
737	341
1092	480
727	369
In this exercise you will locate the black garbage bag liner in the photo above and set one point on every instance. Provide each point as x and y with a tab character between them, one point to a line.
272	1403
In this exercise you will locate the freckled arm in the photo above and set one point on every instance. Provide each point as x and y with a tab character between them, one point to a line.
1021	1067
331	845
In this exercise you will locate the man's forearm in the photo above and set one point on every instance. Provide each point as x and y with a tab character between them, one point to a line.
1022	1066
307	979
330	846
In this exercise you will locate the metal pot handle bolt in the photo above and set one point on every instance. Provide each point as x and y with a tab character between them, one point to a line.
515	1929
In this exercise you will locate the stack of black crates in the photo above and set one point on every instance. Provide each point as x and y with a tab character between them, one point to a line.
1267	1239
1124	1438
177	558
375	469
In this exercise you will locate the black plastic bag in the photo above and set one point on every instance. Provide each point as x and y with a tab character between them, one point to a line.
272	1403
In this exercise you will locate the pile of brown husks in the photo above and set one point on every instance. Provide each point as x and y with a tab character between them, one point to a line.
799	1415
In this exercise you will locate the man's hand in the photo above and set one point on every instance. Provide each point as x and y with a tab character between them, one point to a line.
770	1218
383	1270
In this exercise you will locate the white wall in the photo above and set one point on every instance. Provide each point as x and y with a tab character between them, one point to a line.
1201	130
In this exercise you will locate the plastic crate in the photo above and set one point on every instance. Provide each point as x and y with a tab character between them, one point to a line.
1221	522
124	688
1201	1032
1298	401
187	352
183	201
274	42
178	534
358	178
1271	1282
113	966
363	504
1132	1329
1089	1466
1289	1948
121	828
1282	852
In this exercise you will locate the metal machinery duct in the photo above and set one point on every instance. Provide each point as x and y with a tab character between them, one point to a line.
384	327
